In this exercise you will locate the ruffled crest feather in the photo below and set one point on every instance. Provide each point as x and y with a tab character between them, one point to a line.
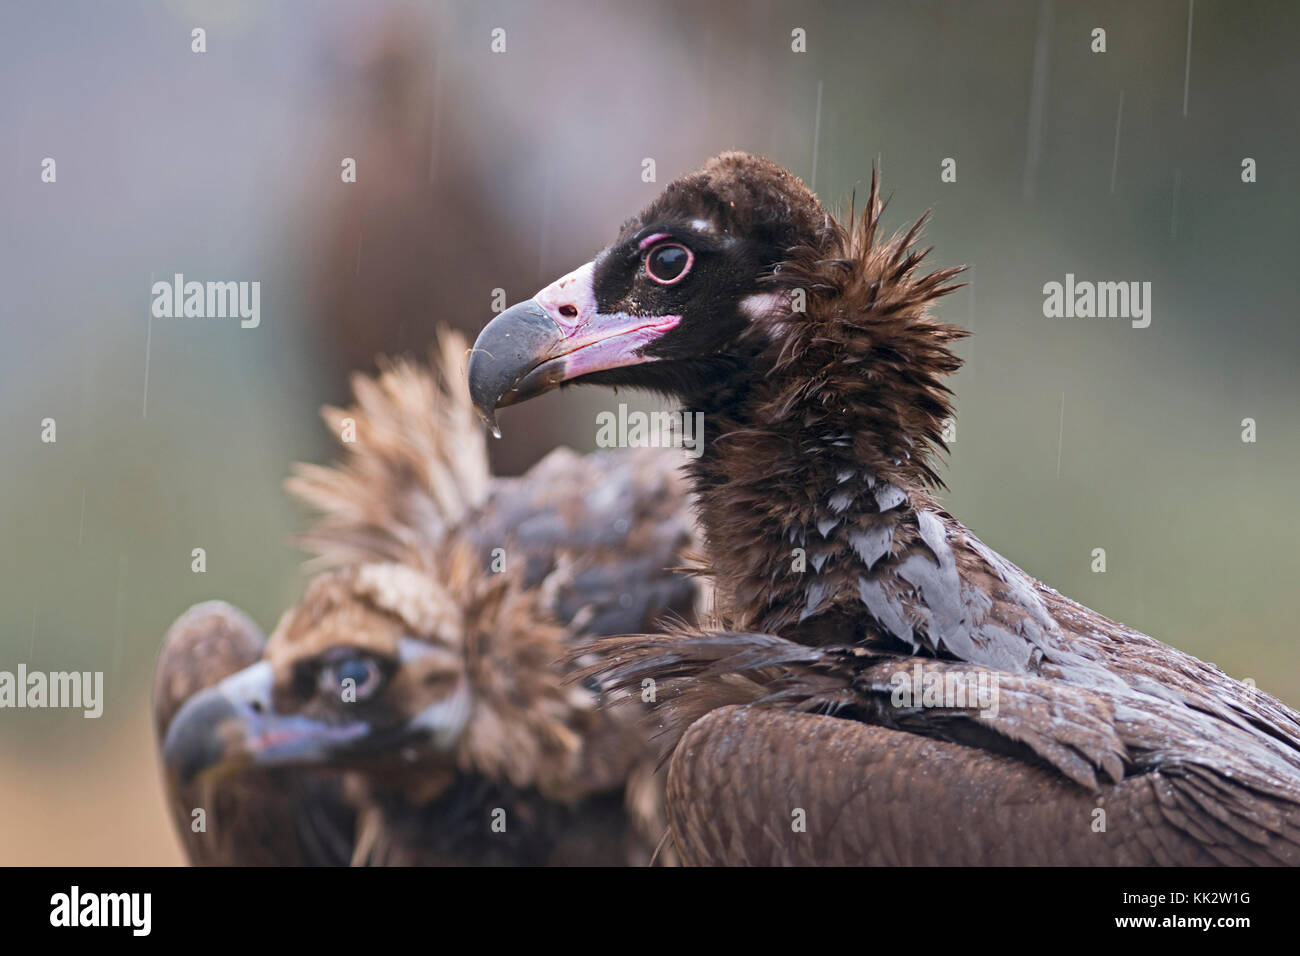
866	356
417	466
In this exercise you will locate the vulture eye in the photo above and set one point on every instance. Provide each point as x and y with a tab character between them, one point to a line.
668	262
363	671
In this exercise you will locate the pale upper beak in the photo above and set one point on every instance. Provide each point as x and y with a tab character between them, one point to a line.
553	338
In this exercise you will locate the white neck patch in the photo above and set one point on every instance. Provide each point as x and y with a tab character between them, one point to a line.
766	305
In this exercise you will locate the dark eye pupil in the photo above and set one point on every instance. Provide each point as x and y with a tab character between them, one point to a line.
356	670
667	262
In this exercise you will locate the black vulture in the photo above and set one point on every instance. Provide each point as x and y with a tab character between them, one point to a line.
415	698
879	685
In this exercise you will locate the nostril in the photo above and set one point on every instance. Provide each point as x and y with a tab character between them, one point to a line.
569	311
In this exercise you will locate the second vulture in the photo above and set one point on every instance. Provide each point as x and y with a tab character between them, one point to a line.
880	686
410	708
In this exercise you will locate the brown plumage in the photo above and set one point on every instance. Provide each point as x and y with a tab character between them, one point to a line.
841	584
422	666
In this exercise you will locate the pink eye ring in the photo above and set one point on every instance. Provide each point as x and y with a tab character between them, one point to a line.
668	262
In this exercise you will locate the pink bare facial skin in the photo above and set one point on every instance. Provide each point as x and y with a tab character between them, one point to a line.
593	341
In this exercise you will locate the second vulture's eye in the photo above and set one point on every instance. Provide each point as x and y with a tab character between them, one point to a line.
668	262
353	678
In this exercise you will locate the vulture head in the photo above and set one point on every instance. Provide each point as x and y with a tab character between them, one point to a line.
670	302
736	292
381	665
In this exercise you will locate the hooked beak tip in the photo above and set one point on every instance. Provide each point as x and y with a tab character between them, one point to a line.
193	743
506	352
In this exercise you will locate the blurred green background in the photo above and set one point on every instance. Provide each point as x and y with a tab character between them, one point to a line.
479	171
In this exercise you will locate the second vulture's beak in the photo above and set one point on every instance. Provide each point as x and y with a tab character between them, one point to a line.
233	725
555	337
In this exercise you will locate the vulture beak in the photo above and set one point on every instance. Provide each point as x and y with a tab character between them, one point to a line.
232	725
555	337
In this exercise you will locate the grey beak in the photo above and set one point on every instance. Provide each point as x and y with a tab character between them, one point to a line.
510	359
